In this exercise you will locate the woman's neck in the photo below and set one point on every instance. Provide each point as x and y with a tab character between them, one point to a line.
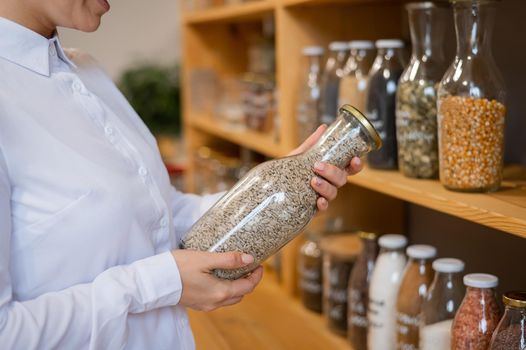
17	11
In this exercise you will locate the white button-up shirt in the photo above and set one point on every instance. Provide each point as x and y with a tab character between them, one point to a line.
87	213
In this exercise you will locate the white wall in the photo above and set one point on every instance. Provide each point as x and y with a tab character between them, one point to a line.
133	31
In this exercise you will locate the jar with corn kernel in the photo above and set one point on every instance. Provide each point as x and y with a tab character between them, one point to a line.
471	105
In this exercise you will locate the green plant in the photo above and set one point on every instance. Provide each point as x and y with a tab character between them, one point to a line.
154	93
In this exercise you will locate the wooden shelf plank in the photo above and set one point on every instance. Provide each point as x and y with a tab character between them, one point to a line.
256	141
246	10
504	210
265	319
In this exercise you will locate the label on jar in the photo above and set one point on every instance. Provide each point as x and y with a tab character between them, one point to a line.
407	328
379	125
411	129
310	280
358	311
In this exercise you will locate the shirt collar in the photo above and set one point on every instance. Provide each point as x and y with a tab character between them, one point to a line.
27	48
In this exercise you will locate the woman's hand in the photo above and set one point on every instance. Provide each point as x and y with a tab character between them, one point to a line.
330	177
205	292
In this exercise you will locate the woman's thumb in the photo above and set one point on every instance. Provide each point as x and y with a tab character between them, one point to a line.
229	260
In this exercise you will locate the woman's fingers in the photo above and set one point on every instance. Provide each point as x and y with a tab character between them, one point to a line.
228	290
322	204
331	173
310	141
324	188
355	166
230	260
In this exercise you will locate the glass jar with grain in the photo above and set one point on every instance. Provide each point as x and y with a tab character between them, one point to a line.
416	97
478	315
417	277
358	297
441	304
339	255
471	105
511	330
274	201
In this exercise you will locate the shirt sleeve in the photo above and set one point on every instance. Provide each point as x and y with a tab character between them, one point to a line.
92	315
187	208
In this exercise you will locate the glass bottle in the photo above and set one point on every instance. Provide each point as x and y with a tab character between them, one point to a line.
417	277
330	80
383	292
478	315
308	108
274	201
381	98
511	330
416	97
441	304
354	82
471	104
310	273
358	297
339	255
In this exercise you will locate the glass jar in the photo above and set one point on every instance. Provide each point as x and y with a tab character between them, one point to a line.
511	330
471	105
383	292
380	107
417	277
308	109
339	254
478	315
416	97
274	201
354	82
330	80
441	304
358	297
310	273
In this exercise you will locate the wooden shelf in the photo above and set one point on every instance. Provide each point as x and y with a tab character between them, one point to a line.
265	319
231	13
504	210
256	141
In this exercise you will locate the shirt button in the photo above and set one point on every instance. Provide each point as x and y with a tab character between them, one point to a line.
143	171
108	130
164	222
77	86
52	50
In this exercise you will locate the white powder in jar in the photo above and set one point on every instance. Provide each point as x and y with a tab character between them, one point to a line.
436	336
383	292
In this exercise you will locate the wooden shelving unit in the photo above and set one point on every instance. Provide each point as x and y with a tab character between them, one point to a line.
259	142
214	39
504	210
231	13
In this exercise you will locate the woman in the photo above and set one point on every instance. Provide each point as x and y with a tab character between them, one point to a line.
89	224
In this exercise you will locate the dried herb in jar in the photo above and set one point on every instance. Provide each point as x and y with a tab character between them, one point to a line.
416	129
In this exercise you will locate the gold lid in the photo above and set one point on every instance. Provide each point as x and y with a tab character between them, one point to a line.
515	299
365	122
368	235
342	245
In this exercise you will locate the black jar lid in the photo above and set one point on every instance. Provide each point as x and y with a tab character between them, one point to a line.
515	299
365	122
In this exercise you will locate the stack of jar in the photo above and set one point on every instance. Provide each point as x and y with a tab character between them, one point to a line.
392	302
342	80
